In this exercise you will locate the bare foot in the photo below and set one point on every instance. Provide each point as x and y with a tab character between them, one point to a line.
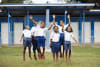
35	57
54	62
66	60
69	60
30	58
23	58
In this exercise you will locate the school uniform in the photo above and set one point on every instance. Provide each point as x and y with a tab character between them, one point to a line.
62	33
34	41
55	37
41	34
68	38
27	38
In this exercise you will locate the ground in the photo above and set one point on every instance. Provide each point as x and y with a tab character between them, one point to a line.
85	56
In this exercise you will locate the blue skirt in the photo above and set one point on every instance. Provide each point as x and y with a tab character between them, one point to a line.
27	42
62	39
55	47
67	45
41	41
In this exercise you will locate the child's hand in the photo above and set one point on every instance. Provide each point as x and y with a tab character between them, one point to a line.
68	16
20	40
53	16
31	17
50	45
78	44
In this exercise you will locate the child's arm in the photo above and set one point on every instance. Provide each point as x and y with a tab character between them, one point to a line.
33	20
54	19
69	19
50	43
50	27
76	41
21	37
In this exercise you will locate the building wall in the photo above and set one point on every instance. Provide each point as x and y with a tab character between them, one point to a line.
92	26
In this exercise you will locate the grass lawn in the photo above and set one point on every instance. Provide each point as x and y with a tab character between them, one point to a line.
85	56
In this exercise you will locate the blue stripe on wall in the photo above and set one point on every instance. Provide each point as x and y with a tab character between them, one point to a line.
0	33
92	31
11	31
80	31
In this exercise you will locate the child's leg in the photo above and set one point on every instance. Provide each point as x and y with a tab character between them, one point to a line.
69	54
24	51
56	57
66	54
34	42
29	49
43	51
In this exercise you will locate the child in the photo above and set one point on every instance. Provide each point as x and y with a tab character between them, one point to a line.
67	44
41	37
61	30
34	41
26	41
54	43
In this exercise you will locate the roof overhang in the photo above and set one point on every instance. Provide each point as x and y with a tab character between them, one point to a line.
40	9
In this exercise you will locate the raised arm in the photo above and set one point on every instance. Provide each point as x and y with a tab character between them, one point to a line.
76	41
21	37
69	18
54	19
33	20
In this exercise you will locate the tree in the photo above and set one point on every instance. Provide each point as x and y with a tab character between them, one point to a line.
12	1
87	1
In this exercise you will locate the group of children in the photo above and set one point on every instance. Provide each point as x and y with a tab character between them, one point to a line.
60	39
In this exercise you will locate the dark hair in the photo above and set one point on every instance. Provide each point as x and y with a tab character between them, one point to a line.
67	28
62	20
54	27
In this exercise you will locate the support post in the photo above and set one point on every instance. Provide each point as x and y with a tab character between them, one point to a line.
47	25
8	28
92	31
65	16
80	29
0	33
83	27
27	16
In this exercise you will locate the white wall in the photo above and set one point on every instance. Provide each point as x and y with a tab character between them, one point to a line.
75	30
4	33
87	32
18	28
97	32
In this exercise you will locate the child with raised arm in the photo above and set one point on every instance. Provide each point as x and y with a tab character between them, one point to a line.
54	43
68	36
61	31
26	36
41	37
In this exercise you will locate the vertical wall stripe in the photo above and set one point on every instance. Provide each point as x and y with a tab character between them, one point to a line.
83	27
65	16
8	28
27	17
92	31
11	31
0	33
47	25
80	30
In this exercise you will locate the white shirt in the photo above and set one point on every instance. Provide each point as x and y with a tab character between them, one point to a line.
41	31
55	37
68	36
60	28
27	33
34	30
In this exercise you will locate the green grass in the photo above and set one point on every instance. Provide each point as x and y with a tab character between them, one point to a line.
85	56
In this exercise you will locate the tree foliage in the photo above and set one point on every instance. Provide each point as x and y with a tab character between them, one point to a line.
12	1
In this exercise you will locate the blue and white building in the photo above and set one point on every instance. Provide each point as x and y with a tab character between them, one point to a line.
85	20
